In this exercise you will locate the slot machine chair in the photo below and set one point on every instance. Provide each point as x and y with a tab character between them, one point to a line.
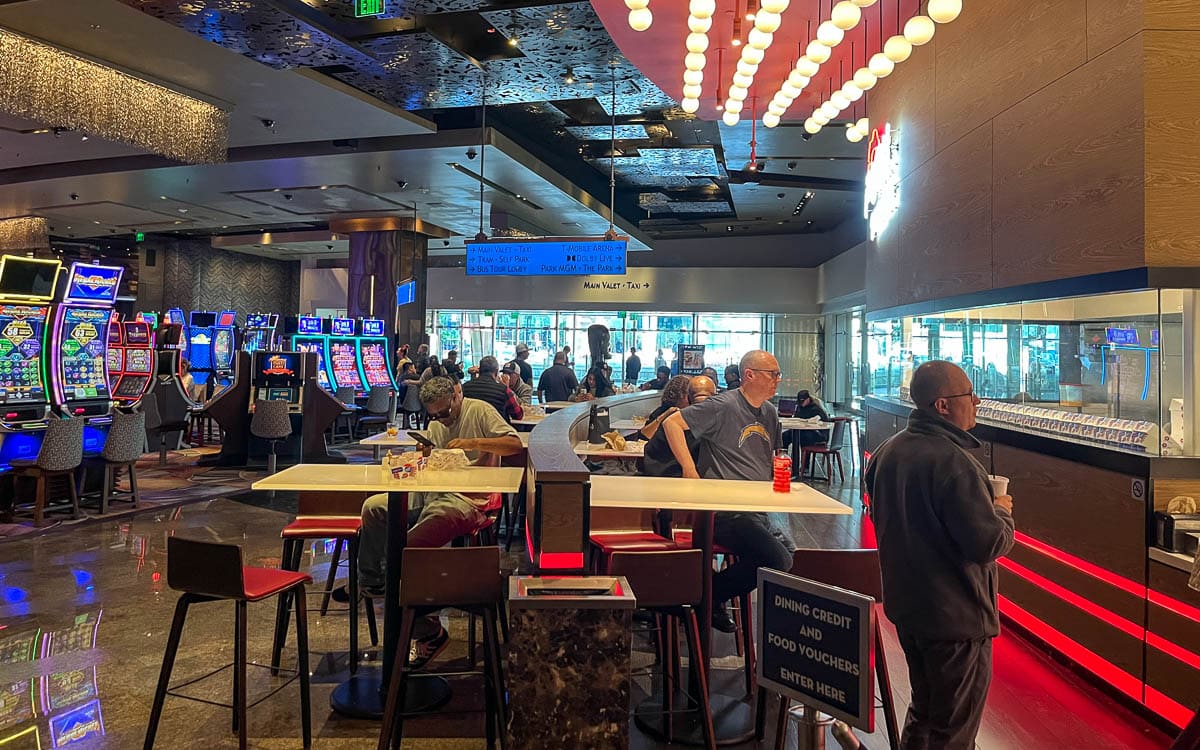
59	457
273	423
345	394
411	406
122	449
378	411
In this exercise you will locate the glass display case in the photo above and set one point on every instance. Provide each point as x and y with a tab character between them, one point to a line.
1117	369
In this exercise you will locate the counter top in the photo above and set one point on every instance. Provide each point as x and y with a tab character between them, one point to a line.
1174	559
371	478
671	493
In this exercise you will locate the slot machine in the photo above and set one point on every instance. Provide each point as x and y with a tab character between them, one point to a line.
26	289
373	353
312	336
224	344
17	697
259	332
345	363
70	697
200	331
276	376
136	361
175	316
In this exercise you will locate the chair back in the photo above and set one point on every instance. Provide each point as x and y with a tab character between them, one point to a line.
270	420
331	503
852	569
379	399
451	577
662	579
62	447
150	409
126	437
837	435
205	568
345	394
412	399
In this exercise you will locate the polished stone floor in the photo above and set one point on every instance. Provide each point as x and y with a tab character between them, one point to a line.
84	613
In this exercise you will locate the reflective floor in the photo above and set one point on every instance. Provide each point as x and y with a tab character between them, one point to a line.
84	613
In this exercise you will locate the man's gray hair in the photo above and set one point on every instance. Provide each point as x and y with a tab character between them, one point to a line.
489	365
436	389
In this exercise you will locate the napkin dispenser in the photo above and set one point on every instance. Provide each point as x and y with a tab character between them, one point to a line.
1171	530
597	424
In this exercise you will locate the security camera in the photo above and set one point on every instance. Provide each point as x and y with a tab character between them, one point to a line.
445	243
267	123
401	184
74	196
780	195
287	196
329	247
472	153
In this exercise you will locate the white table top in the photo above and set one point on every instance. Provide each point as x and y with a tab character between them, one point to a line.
371	478
626	424
529	421
554	405
709	494
402	440
633	449
796	423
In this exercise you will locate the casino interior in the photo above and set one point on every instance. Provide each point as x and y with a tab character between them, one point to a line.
226	226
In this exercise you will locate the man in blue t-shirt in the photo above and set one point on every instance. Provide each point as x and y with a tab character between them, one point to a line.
739	433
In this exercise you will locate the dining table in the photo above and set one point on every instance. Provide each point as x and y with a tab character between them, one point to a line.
363	695
733	720
404	441
634	449
797	424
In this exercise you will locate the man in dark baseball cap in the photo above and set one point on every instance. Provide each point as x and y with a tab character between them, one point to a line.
522	365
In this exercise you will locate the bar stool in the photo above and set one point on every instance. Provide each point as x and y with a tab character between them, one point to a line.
122	449
854	570
463	578
828	453
670	584
60	455
272	423
208	572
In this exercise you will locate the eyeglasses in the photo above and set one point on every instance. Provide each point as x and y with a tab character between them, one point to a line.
443	414
970	393
773	374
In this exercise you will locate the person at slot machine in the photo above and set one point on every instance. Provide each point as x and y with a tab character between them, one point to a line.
186	379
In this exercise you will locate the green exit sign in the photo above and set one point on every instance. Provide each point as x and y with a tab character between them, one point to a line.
622	314
368	8
139	237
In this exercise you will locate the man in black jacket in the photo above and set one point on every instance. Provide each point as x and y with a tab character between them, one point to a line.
489	388
940	529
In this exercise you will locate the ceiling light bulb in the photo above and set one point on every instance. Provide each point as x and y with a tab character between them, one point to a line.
702	8
865	79
829	110
776	109
897	49
697	42
880	65
806	67
759	39
830	35
775	6
690	105
919	30
640	19
737	93
636	4
853	135
852	92
694	61
752	56
839	100
789	90
863	126
819	117
863	3
742	82
944	11
693	77
730	118
692	92
817	52
699	25
811	126
746	68
767	22
770	120
845	15
733	106
798	80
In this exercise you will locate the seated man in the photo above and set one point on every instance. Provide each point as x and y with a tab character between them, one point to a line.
661	377
441	517
808	407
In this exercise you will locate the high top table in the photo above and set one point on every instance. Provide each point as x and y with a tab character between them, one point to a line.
381	440
732	720
362	696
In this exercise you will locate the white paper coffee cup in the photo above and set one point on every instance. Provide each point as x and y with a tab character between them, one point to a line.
999	484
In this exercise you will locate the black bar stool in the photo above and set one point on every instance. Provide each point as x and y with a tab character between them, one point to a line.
209	572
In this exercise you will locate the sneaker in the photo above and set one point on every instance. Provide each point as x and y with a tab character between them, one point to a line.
342	594
721	621
425	650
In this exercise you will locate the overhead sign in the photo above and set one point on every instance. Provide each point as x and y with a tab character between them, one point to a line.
364	8
882	197
549	257
816	645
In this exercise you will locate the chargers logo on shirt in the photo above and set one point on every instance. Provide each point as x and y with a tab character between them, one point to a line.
754	429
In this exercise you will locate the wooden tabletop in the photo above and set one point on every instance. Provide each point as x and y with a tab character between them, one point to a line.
709	494
634	449
402	440
371	478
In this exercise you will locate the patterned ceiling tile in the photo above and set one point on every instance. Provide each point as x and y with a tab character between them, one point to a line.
652	200
697	207
604	132
671	162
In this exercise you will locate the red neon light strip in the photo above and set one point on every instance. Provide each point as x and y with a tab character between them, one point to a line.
1083	566
560	560
1174	605
1173	650
1084	657
1075	600
1174	712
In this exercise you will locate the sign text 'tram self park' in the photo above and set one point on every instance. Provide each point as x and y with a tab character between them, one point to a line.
582	257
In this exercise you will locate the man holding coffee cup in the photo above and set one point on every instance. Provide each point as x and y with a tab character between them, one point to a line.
941	522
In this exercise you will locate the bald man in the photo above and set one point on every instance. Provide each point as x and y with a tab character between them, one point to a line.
738	434
940	529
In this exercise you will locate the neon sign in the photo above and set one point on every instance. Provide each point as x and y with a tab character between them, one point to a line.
882	199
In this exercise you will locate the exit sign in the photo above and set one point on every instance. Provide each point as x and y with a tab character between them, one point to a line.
368	8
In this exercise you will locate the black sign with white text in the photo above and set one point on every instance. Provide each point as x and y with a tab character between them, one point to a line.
573	257
816	645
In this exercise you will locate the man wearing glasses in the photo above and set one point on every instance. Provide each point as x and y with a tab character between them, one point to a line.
739	433
940	529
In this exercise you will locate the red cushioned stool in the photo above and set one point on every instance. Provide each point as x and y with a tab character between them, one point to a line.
605	543
209	572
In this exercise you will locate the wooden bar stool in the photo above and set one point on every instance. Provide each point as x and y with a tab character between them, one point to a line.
122	449
209	572
670	584
463	578
58	459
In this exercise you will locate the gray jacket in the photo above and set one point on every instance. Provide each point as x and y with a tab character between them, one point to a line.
939	532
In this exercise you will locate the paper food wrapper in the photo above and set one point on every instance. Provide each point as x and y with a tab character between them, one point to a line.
448	459
404	465
614	440
1182	505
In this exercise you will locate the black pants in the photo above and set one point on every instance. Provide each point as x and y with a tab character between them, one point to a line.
756	543
950	681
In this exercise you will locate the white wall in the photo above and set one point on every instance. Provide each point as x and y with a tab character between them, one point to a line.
322	287
842	280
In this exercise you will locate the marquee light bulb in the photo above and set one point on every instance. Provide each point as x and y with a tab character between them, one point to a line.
880	65
702	8
699	25
692	92
759	39
746	68
640	19
733	106
829	110
776	109
863	126
944	11
697	42
741	81
897	49
775	6
789	90
863	3
694	61
770	120
817	52
829	35
806	67
752	56
811	126
919	30
737	93
865	79
767	22
693	77
798	80
845	15
731	118
820	118
853	135
690	105
852	92
839	100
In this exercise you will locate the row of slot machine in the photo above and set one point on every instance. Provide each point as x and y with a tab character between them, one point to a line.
351	353
211	339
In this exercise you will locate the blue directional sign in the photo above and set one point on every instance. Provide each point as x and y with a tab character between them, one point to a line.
547	257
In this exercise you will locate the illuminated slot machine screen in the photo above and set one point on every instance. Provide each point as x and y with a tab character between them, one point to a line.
375	363
17	698
81	353
116	363
139	360
222	348
317	346
21	329
62	690
343	362
150	319
77	725
137	334
309	326
342	327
